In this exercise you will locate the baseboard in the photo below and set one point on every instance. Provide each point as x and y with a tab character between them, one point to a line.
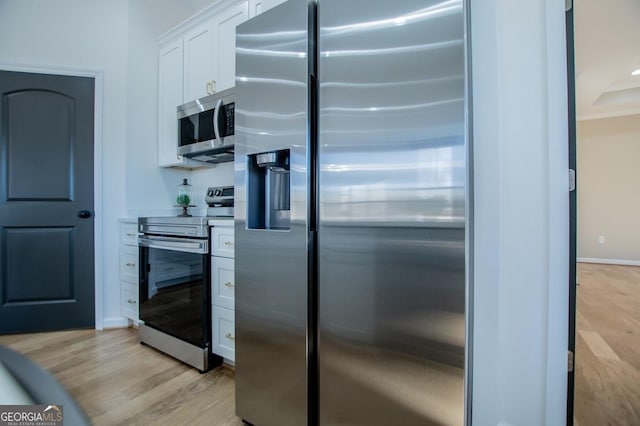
610	261
115	322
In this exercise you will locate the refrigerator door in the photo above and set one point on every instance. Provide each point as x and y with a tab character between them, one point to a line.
271	216
392	155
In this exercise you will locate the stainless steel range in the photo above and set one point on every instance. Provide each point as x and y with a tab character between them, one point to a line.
175	293
220	201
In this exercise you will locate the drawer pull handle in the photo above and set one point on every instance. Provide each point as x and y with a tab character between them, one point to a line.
131	264
130	235
230	336
228	243
131	301
229	284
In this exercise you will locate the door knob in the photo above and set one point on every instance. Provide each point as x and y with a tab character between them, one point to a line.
84	214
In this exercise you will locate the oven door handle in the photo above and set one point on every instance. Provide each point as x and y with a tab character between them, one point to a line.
175	244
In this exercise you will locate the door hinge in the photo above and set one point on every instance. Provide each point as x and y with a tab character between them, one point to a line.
572	180
568	5
570	362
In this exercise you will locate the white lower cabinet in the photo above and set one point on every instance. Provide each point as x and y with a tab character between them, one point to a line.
129	269
129	300
223	282
223	330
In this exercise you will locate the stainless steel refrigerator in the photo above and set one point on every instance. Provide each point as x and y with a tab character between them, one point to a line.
352	205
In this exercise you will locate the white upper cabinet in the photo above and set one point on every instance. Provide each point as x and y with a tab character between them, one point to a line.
256	7
224	25
199	61
194	56
170	95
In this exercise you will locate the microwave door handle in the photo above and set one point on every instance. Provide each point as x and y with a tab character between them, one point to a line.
216	114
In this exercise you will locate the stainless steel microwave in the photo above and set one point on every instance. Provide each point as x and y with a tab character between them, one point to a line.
206	127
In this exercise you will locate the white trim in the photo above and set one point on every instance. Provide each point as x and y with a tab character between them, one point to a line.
98	76
557	303
609	261
116	322
98	220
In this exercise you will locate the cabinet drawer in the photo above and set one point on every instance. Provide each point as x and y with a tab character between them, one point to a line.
222	241
129	300
129	263
129	234
223	282
223	332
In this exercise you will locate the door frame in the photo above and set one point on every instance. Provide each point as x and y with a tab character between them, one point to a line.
572	145
98	220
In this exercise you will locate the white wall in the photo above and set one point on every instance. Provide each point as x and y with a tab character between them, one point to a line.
150	189
521	212
608	183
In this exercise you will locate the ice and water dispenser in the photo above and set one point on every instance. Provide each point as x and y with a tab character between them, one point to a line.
269	190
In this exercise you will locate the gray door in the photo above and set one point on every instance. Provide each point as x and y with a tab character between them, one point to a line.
391	239
46	202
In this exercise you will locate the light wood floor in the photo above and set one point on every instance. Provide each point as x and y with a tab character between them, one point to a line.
118	381
607	375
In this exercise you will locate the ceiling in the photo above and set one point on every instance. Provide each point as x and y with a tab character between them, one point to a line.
607	44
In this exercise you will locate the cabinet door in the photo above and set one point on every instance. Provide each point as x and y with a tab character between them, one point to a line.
170	95
222	241
225	44
223	282
129	234
129	263
223	332
256	7
198	61
129	300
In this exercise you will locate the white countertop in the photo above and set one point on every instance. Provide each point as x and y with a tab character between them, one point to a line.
221	221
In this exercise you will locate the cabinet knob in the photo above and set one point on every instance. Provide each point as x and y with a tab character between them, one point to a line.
230	336
229	284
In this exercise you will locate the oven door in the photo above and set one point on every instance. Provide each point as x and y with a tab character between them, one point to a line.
174	287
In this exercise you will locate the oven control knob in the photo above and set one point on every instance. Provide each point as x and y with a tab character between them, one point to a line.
218	192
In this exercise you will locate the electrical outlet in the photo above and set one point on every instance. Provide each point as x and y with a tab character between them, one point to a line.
601	239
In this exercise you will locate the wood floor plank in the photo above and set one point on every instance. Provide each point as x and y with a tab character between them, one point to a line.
607	359
598	346
116	380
